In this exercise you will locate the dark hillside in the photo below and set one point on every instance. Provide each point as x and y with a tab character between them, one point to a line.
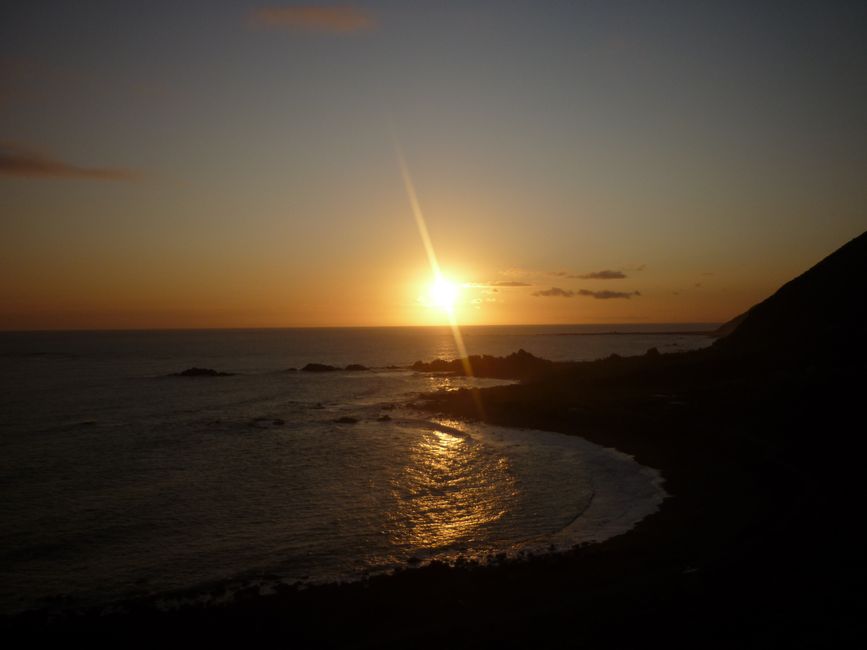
819	317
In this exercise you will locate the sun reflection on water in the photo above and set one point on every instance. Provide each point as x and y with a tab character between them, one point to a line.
450	488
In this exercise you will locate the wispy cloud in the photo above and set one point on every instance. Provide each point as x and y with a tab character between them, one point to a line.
337	19
595	275
608	295
498	283
598	295
555	292
23	162
601	275
510	283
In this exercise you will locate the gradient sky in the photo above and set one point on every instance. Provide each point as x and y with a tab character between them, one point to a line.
232	164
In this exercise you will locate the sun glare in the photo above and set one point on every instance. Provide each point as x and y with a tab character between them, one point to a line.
443	293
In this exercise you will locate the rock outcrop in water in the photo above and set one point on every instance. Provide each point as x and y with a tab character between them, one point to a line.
319	367
324	367
518	365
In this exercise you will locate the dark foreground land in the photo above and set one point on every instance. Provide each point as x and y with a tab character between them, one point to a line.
760	440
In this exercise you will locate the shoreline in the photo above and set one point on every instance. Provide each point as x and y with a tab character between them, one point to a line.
720	548
465	602
612	473
630	493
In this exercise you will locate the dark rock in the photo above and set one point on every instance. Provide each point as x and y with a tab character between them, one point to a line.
518	365
278	421
319	367
346	419
201	372
438	365
385	417
356	367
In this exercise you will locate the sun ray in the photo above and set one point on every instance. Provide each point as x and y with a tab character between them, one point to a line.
442	286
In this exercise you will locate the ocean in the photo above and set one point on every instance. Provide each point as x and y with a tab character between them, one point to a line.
121	481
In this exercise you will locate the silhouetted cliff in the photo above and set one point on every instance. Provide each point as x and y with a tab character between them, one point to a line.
820	317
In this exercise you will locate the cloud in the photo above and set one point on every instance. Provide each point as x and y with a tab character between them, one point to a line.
498	283
601	275
337	19
596	275
598	295
509	283
608	295
16	160
555	291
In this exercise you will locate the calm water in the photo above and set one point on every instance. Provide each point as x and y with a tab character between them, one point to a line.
118	480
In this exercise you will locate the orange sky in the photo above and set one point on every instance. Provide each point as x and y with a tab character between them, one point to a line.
241	171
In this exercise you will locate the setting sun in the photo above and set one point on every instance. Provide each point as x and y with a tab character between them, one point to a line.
443	293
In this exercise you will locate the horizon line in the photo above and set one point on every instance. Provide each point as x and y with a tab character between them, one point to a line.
345	327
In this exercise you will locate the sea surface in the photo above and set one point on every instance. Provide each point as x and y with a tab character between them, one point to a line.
120	481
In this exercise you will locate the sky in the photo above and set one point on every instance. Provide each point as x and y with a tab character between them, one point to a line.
235	164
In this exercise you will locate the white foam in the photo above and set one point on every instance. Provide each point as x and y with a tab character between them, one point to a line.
624	491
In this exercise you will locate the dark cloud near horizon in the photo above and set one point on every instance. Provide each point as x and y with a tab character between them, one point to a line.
608	295
499	283
555	291
598	295
336	19
601	275
595	275
23	162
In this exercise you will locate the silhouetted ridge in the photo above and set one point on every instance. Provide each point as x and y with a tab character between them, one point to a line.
820	316
729	326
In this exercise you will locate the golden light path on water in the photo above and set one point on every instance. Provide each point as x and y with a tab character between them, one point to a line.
454	489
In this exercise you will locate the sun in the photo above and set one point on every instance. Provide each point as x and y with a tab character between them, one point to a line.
443	293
